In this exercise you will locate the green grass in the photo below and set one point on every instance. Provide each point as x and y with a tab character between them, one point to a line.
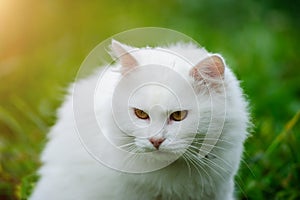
44	42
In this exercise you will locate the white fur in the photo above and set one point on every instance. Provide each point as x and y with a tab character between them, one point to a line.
70	172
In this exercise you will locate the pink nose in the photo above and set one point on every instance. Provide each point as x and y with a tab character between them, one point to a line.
156	142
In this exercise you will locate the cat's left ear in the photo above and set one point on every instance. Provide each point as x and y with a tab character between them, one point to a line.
122	52
210	69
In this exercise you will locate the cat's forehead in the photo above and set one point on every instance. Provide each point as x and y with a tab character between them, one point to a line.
153	95
163	57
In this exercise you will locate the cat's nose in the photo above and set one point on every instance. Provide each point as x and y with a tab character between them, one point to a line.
156	142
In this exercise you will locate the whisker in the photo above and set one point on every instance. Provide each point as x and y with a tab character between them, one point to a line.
126	145
210	145
195	165
132	156
188	165
212	164
207	161
217	156
248	167
214	139
240	178
198	163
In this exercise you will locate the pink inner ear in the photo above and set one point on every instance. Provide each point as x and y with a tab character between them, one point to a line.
210	67
126	59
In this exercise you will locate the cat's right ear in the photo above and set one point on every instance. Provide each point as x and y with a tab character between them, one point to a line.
122	52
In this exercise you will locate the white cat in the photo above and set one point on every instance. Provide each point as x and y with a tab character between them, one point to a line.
176	114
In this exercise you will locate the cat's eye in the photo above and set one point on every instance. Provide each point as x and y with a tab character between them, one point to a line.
178	115
141	114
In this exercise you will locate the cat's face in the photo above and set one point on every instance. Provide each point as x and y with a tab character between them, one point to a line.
157	107
160	121
156	113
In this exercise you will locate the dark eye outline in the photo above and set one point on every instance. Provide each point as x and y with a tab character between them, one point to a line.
183	114
141	114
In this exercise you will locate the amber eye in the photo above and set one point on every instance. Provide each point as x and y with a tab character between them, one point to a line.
179	115
141	114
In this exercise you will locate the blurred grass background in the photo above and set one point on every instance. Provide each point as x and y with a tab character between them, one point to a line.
43	42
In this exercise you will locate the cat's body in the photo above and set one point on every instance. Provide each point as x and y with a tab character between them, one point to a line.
70	172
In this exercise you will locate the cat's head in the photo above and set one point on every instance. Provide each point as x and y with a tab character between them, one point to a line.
163	100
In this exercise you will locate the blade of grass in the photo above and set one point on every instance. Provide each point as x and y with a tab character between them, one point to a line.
25	109
288	127
10	121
